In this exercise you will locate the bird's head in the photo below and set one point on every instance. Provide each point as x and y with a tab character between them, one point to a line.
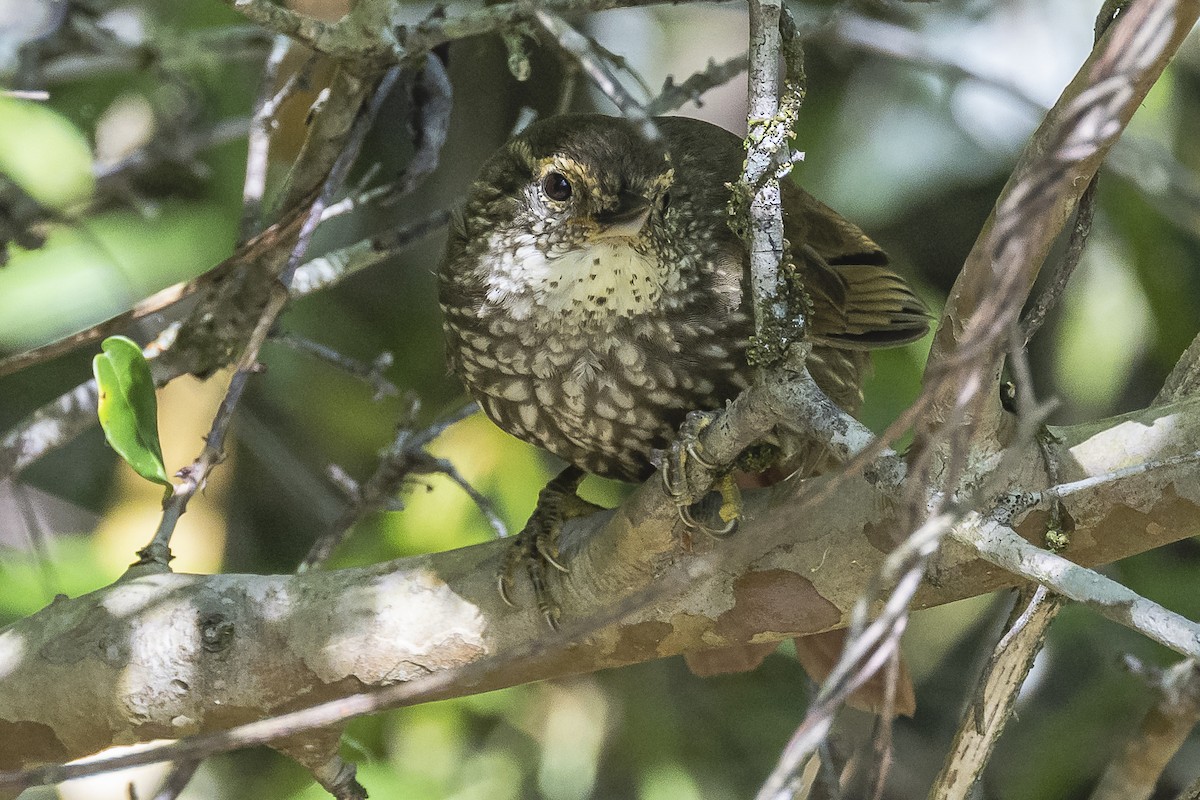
577	180
569	212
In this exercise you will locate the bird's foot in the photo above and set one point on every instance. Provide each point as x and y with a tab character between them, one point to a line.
536	546
689	479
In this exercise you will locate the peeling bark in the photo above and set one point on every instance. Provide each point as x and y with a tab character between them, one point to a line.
171	655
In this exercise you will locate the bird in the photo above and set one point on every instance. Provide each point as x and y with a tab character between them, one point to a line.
594	293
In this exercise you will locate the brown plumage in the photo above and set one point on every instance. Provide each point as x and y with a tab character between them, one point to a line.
594	293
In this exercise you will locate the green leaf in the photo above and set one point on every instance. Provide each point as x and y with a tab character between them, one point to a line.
128	409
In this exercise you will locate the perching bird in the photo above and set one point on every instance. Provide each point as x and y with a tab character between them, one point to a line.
594	292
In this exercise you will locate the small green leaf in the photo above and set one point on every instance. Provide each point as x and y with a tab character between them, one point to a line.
128	409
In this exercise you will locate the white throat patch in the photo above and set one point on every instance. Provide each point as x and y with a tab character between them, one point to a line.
605	279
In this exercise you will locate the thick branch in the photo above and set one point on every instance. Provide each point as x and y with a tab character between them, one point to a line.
171	655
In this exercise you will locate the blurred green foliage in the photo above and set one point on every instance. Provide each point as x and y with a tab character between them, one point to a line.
917	158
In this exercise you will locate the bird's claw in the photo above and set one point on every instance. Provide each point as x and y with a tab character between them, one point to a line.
680	479
728	529
536	546
688	478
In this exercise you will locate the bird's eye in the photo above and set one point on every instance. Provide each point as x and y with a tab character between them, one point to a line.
556	186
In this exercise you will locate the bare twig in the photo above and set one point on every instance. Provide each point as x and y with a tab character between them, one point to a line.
1080	231
1065	268
332	268
405	457
262	125
674	95
1094	481
597	68
1002	546
157	553
369	373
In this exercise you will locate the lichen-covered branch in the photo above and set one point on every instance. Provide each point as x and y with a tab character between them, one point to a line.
767	134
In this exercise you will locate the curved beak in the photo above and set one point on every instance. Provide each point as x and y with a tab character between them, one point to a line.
627	220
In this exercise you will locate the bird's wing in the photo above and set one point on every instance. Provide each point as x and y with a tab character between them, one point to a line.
856	301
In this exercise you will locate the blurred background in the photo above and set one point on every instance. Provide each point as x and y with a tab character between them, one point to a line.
914	116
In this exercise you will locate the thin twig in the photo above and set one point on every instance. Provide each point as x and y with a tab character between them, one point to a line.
262	124
597	68
405	457
157	553
674	95
999	544
1095	481
370	373
1085	212
1052	294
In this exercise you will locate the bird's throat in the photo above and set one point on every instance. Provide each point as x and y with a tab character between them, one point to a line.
592	282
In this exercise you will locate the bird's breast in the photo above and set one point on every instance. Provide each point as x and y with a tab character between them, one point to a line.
582	284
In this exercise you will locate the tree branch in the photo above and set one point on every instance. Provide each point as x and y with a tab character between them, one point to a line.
1054	168
321	636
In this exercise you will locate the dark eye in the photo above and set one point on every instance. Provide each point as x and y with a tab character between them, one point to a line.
666	201
556	186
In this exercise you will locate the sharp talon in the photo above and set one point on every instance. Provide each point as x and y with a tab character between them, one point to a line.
536	548
724	533
502	589
544	552
691	451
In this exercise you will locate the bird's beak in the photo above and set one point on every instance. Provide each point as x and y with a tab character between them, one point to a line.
626	221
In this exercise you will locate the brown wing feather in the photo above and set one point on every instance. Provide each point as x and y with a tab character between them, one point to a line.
857	302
